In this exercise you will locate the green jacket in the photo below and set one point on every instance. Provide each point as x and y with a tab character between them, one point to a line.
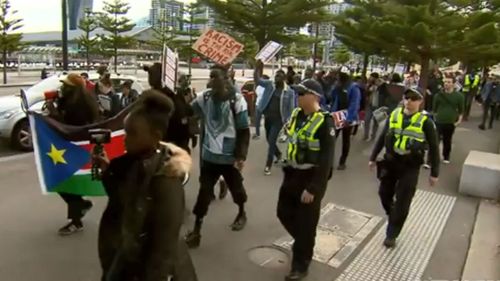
448	107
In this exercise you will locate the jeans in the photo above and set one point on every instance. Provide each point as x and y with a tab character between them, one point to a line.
258	118
493	109
368	120
273	127
446	132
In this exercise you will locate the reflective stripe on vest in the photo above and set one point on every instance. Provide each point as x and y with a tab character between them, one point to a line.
304	134
404	136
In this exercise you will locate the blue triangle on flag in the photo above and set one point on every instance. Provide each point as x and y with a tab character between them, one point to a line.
59	158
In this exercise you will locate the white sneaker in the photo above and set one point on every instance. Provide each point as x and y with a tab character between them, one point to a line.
427	166
267	171
446	161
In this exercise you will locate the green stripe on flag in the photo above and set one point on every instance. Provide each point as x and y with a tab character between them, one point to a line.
81	184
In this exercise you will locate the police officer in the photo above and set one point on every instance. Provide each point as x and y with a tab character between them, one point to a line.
407	134
470	88
310	145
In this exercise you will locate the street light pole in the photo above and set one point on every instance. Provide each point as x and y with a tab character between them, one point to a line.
315	52
64	35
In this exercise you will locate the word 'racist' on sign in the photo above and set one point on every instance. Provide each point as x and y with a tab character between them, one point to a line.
218	46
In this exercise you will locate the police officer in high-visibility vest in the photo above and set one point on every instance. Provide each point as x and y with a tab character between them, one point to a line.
471	85
407	134
310	145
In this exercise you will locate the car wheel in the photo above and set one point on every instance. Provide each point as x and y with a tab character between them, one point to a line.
21	136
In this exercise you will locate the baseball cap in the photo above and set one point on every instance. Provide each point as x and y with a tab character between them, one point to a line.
413	94
310	86
74	80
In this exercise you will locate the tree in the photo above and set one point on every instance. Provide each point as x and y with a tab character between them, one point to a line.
8	42
353	28
342	55
266	20
87	25
113	20
191	18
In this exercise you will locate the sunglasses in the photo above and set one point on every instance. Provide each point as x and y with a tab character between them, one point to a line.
412	98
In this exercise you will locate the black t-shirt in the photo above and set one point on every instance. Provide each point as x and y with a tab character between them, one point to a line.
273	110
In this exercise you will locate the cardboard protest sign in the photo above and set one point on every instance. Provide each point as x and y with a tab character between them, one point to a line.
169	68
269	51
218	46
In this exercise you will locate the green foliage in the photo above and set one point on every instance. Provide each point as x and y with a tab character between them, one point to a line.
9	42
88	44
267	20
113	21
341	55
423	30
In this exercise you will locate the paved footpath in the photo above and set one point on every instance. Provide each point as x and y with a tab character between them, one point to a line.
436	238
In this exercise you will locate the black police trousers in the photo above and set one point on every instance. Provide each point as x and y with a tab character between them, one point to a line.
209	175
300	220
398	183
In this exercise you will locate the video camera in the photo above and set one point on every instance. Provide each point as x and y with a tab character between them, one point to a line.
98	137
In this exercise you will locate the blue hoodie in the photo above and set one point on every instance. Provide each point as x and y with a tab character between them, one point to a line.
353	97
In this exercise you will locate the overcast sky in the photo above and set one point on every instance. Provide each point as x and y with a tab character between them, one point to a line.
45	15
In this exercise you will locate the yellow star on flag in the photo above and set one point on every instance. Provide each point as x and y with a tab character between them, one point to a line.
56	155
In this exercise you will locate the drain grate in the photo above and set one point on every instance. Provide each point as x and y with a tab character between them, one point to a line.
340	231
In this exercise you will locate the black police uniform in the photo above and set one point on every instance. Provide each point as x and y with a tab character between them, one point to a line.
299	219
398	174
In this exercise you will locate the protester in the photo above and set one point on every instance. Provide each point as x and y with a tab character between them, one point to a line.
259	91
276	104
224	148
108	100
346	96
74	107
448	111
308	166
435	86
139	229
490	95
178	131
44	74
406	136
290	74
89	85
129	95
377	94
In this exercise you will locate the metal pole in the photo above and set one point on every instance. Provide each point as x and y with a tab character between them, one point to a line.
315	52
64	35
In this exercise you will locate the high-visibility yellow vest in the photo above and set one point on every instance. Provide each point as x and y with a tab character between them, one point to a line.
467	83
406	137
302	146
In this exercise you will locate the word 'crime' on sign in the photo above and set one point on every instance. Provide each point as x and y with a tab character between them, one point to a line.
218	46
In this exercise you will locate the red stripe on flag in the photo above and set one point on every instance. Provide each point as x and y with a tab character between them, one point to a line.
114	149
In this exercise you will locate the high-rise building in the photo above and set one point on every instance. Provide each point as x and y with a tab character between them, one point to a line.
167	13
76	11
207	14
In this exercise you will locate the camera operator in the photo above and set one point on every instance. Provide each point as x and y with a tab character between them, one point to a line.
74	107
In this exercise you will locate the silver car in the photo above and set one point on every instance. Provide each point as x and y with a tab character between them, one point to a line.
14	124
